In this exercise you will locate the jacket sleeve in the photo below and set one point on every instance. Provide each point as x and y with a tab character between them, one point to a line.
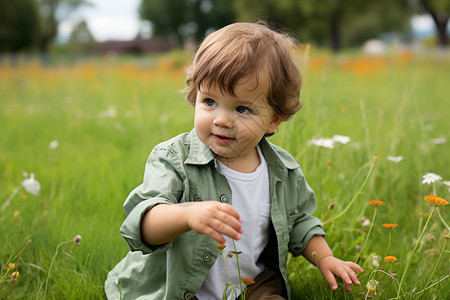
162	183
304	225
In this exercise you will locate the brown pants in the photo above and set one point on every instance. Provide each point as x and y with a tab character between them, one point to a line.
268	286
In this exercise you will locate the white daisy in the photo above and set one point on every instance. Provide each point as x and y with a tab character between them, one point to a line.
53	145
31	185
323	142
439	141
395	159
341	139
430	178
446	183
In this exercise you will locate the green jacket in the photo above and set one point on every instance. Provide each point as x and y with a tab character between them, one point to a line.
184	169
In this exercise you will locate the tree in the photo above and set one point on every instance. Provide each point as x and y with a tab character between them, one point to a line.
81	40
327	21
18	23
439	11
51	12
185	19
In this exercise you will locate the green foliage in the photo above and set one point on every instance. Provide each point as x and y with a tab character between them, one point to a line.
18	25
182	20
108	116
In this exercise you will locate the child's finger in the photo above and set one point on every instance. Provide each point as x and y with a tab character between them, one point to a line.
228	209
329	277
354	266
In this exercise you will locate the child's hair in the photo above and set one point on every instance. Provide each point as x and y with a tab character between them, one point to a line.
241	49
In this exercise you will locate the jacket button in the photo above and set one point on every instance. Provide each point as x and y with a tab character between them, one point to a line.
289	228
197	198
188	296
224	198
206	257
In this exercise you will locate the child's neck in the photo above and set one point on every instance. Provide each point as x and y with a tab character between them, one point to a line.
245	164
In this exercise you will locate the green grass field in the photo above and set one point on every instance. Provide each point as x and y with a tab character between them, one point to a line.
107	116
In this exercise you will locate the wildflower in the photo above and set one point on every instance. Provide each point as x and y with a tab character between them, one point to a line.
430	178
16	213
376	261
31	185
323	142
109	113
446	183
365	223
372	285
53	145
10	267
247	281
15	274
341	139
390	259
395	159
221	247
438	141
376	203
436	201
77	240
390	225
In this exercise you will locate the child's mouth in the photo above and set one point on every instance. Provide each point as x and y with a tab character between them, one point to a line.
223	139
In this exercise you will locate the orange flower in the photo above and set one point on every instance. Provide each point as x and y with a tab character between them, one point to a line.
221	247
390	259
376	203
435	200
390	225
247	281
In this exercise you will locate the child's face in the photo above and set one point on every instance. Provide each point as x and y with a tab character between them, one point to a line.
232	126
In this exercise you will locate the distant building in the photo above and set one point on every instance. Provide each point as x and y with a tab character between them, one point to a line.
136	46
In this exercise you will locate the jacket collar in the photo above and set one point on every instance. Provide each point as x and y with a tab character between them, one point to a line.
277	159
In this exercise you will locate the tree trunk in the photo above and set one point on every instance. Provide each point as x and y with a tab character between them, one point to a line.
334	28
440	19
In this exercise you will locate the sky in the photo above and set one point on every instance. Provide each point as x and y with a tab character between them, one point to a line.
119	20
106	19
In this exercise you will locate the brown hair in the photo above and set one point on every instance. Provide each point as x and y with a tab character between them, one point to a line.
241	49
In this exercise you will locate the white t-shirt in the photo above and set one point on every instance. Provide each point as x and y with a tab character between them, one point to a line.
251	198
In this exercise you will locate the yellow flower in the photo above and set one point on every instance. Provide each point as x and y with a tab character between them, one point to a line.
247	281
10	267
390	225
376	203
390	259
436	201
15	274
221	247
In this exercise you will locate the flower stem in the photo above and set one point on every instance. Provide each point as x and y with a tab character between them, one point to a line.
51	265
229	277
8	201
434	270
367	237
355	196
410	255
239	270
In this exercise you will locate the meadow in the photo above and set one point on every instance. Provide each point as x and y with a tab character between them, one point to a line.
85	131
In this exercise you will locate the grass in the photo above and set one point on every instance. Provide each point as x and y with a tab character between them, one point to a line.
108	116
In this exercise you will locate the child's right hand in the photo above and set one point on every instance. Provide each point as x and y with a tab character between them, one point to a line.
213	219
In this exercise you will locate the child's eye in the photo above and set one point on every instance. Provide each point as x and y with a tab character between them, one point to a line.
242	110
210	102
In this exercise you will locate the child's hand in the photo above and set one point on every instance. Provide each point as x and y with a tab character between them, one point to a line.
330	267
213	219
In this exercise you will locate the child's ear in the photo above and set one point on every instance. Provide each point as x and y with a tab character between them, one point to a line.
276	121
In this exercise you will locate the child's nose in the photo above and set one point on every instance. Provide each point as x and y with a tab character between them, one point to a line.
224	119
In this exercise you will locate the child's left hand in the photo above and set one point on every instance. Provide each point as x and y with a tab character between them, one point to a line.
332	267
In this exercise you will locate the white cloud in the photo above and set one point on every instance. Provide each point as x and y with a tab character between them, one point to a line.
106	19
